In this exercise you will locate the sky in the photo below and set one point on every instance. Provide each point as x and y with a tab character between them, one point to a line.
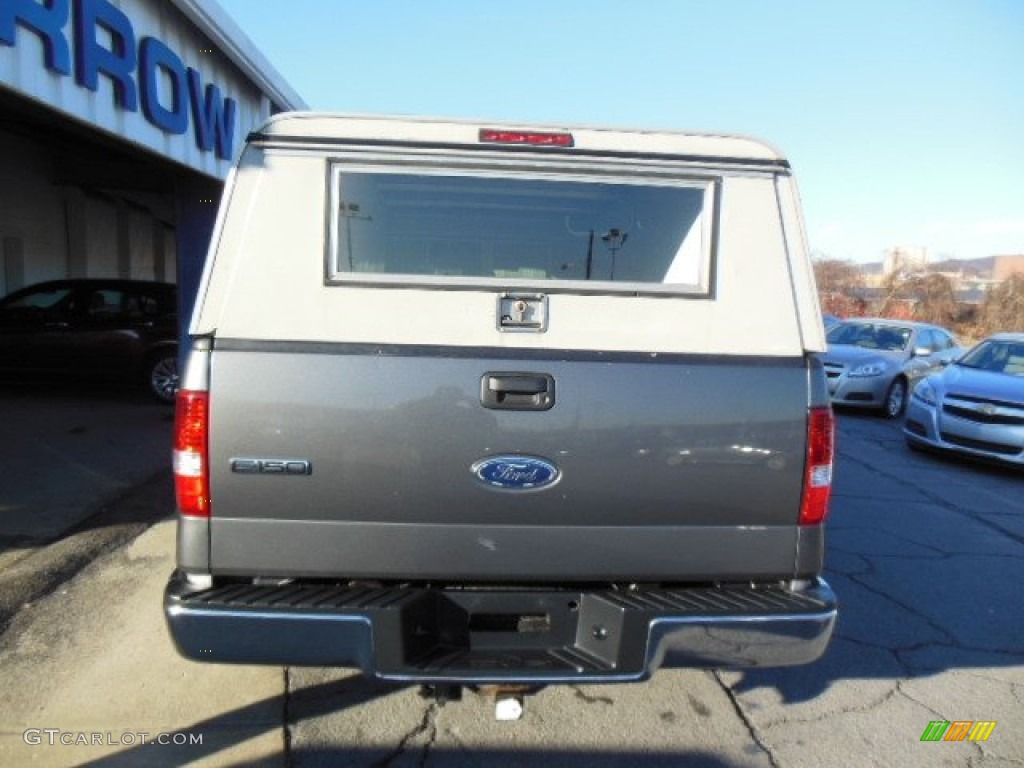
903	119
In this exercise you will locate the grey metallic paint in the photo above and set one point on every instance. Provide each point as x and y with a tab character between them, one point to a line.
193	543
651	450
810	550
552	553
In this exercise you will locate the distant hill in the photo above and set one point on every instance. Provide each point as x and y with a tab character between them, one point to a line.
978	267
981	267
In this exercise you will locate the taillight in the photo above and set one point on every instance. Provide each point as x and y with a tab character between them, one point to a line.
818	469
532	138
191	465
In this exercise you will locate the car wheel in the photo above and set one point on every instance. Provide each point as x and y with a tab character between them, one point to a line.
162	375
895	399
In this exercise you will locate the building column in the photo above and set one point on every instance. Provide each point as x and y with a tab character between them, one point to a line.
124	240
75	223
159	252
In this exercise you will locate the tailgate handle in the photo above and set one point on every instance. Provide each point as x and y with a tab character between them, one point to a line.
517	391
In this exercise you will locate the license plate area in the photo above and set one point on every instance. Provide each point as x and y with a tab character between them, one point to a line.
490	633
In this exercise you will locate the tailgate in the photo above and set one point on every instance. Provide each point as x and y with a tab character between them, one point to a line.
369	461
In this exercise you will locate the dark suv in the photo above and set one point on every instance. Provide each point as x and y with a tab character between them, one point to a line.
123	329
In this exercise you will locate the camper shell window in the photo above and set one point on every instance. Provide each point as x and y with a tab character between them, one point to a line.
451	228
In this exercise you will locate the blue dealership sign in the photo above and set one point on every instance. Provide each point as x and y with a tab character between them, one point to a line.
103	43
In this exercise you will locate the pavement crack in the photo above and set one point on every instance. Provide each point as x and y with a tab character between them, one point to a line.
933	553
900	651
427	726
911	609
908	697
887	648
589	699
941	716
747	722
855	710
939	501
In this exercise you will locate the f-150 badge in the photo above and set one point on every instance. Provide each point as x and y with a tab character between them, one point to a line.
516	473
271	467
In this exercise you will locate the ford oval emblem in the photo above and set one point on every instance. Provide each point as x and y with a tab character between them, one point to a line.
516	473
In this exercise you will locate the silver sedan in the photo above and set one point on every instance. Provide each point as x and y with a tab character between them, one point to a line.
875	362
976	406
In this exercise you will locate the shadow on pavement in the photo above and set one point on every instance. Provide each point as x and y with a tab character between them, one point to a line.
226	730
926	554
86	468
91	390
69	449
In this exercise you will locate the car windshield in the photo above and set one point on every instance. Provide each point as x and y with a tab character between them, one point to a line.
870	336
998	356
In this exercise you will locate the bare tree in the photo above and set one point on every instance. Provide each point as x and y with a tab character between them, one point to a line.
928	297
1003	307
838	286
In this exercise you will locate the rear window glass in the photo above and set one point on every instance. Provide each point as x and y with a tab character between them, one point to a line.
437	228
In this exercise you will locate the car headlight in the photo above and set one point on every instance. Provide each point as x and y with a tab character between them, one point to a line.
874	368
925	392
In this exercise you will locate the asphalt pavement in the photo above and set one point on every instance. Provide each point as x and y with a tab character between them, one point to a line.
66	450
85	468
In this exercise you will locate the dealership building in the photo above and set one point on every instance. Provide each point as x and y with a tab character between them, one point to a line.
119	120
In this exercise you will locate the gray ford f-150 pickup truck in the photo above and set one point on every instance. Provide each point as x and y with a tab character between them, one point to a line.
472	403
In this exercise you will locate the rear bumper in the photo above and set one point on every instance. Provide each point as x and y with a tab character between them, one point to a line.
423	635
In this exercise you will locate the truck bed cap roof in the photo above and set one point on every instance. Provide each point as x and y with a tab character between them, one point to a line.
305	127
